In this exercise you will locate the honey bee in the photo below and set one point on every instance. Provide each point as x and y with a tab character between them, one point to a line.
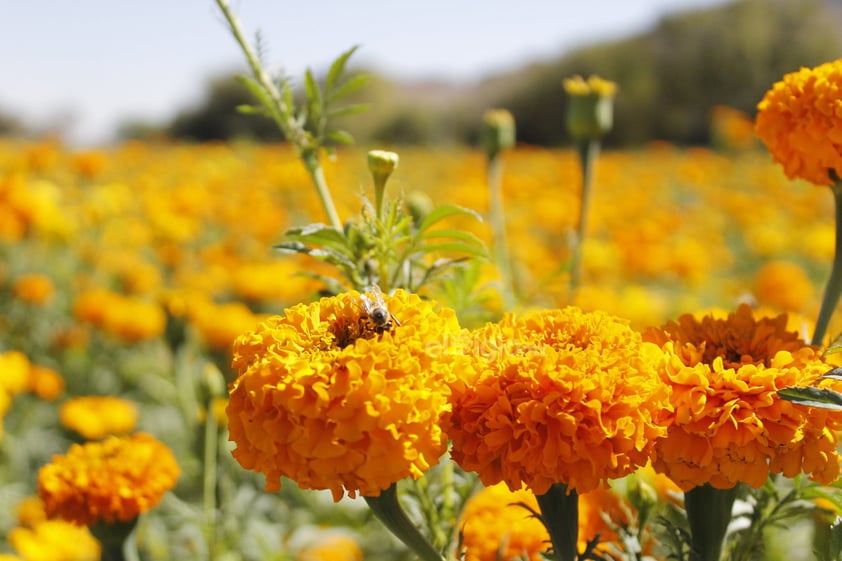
375	312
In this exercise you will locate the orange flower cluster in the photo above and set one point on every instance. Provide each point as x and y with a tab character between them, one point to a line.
129	318
561	396
729	425
115	479
94	417
33	288
800	121
331	401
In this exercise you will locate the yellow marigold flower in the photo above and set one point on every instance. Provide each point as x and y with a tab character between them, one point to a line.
333	547
562	396
16	371
327	399
115	479
496	528
729	425
800	121
94	417
55	540
220	324
128	318
30	512
33	288
45	382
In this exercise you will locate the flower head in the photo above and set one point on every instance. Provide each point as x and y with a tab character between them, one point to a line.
561	396
800	121
729	424
590	110
33	288
116	479
332	401
94	417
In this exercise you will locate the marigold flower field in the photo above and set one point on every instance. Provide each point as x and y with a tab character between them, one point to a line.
128	272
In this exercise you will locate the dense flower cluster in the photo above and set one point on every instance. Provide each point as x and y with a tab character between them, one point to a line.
129	318
800	121
94	417
115	479
333	402
729	424
561	396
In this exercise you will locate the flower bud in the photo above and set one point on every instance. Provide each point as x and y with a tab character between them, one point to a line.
419	204
381	164
498	131
590	109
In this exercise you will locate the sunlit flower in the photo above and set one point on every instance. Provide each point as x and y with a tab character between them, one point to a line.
325	399
800	121
496	528
129	318
562	396
219	324
54	540
94	417
16	369
785	285
33	288
729	424
112	480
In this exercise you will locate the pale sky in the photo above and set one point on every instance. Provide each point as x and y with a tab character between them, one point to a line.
90	64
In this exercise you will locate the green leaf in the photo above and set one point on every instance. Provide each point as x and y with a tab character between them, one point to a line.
348	110
314	94
347	87
454	247
340	137
338	68
317	234
250	110
453	234
258	91
834	374
443	211
813	397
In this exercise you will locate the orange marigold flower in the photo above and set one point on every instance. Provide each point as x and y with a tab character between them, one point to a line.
128	318
496	528
729	425
562	396
45	382
326	399
219	324
115	479
33	288
785	285
800	121
94	417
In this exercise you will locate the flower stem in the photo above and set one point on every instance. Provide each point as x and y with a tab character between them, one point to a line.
283	116
708	514
388	510
560	513
588	154
497	217
209	478
117	540
833	290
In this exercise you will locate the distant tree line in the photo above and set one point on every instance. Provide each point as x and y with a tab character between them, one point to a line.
669	80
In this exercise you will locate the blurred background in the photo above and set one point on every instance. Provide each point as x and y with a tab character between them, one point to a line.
97	72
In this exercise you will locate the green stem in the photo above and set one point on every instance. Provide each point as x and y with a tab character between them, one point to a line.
588	154
117	540
209	477
388	510
283	116
833	290
708	514
560	513
497	217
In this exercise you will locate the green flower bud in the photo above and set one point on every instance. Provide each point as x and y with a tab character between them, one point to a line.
497	132
590	110
381	164
419	204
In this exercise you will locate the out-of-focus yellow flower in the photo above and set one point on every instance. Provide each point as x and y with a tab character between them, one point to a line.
332	547
33	288
800	121
94	417
45	382
731	128
55	540
562	396
30	512
729	425
16	371
331	401
220	324
496	528
112	480
784	285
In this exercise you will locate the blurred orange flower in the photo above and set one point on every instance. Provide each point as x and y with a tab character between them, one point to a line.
800	121
328	401
784	285
33	288
112	480
333	547
131	319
